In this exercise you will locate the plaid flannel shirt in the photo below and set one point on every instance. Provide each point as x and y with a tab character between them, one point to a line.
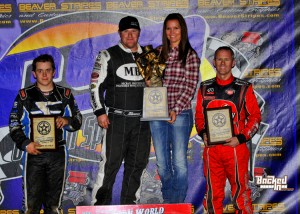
181	82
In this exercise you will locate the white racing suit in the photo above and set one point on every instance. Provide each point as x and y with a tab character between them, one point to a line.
117	89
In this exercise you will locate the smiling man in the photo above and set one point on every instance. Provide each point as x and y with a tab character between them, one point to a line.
117	97
229	158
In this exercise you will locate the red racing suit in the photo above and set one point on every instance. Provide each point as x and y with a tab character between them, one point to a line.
221	162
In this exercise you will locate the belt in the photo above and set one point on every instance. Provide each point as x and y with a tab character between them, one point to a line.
126	113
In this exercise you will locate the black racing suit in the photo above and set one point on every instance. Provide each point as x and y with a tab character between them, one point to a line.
117	89
44	174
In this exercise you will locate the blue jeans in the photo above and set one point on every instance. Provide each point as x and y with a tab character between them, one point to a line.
171	143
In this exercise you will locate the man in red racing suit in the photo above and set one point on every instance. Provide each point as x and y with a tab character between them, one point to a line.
228	160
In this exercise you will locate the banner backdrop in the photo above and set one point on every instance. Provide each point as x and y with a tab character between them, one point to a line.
262	34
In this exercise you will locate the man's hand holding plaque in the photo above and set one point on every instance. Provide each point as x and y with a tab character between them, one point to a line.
155	103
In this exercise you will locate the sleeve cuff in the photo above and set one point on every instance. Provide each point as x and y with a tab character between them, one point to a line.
201	133
241	138
176	110
24	144
100	112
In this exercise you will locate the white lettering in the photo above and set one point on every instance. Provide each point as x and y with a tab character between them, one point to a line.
271	182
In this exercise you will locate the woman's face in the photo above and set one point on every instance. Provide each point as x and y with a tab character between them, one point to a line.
173	32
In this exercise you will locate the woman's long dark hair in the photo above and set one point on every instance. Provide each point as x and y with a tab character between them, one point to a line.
184	45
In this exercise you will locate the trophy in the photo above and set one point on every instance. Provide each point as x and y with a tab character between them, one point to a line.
155	101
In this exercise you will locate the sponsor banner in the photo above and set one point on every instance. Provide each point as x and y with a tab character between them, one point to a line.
261	33
137	209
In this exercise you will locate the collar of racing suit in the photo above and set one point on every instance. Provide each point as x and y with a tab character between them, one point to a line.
140	50
225	82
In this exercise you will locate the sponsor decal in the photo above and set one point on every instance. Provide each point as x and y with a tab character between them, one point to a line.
129	72
164	4
230	91
252	37
105	54
23	94
133	114
271	147
9	211
15	104
93	86
137	209
95	75
5	8
118	111
209	97
271	182
66	6
68	92
274	208
210	91
76	186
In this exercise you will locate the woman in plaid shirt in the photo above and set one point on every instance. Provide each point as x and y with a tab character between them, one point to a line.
180	77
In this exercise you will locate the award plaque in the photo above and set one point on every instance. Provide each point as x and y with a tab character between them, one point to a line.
155	104
219	125
44	132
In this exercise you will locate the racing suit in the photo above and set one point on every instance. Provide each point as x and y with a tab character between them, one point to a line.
44	174
221	162
117	89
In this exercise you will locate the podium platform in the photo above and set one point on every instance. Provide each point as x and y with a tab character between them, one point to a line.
136	209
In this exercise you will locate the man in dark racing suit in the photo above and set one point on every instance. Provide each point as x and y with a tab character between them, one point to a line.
117	97
228	160
44	171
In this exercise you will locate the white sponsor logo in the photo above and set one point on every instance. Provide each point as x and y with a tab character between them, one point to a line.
271	182
129	72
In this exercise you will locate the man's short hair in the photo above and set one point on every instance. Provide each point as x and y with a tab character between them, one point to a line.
224	48
43	58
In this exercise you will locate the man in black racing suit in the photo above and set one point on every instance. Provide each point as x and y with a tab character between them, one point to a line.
44	171
116	97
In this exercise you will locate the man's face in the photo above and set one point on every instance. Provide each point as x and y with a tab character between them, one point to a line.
223	63
44	74
129	38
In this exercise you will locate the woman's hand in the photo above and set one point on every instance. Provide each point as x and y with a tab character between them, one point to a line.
148	83
172	115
